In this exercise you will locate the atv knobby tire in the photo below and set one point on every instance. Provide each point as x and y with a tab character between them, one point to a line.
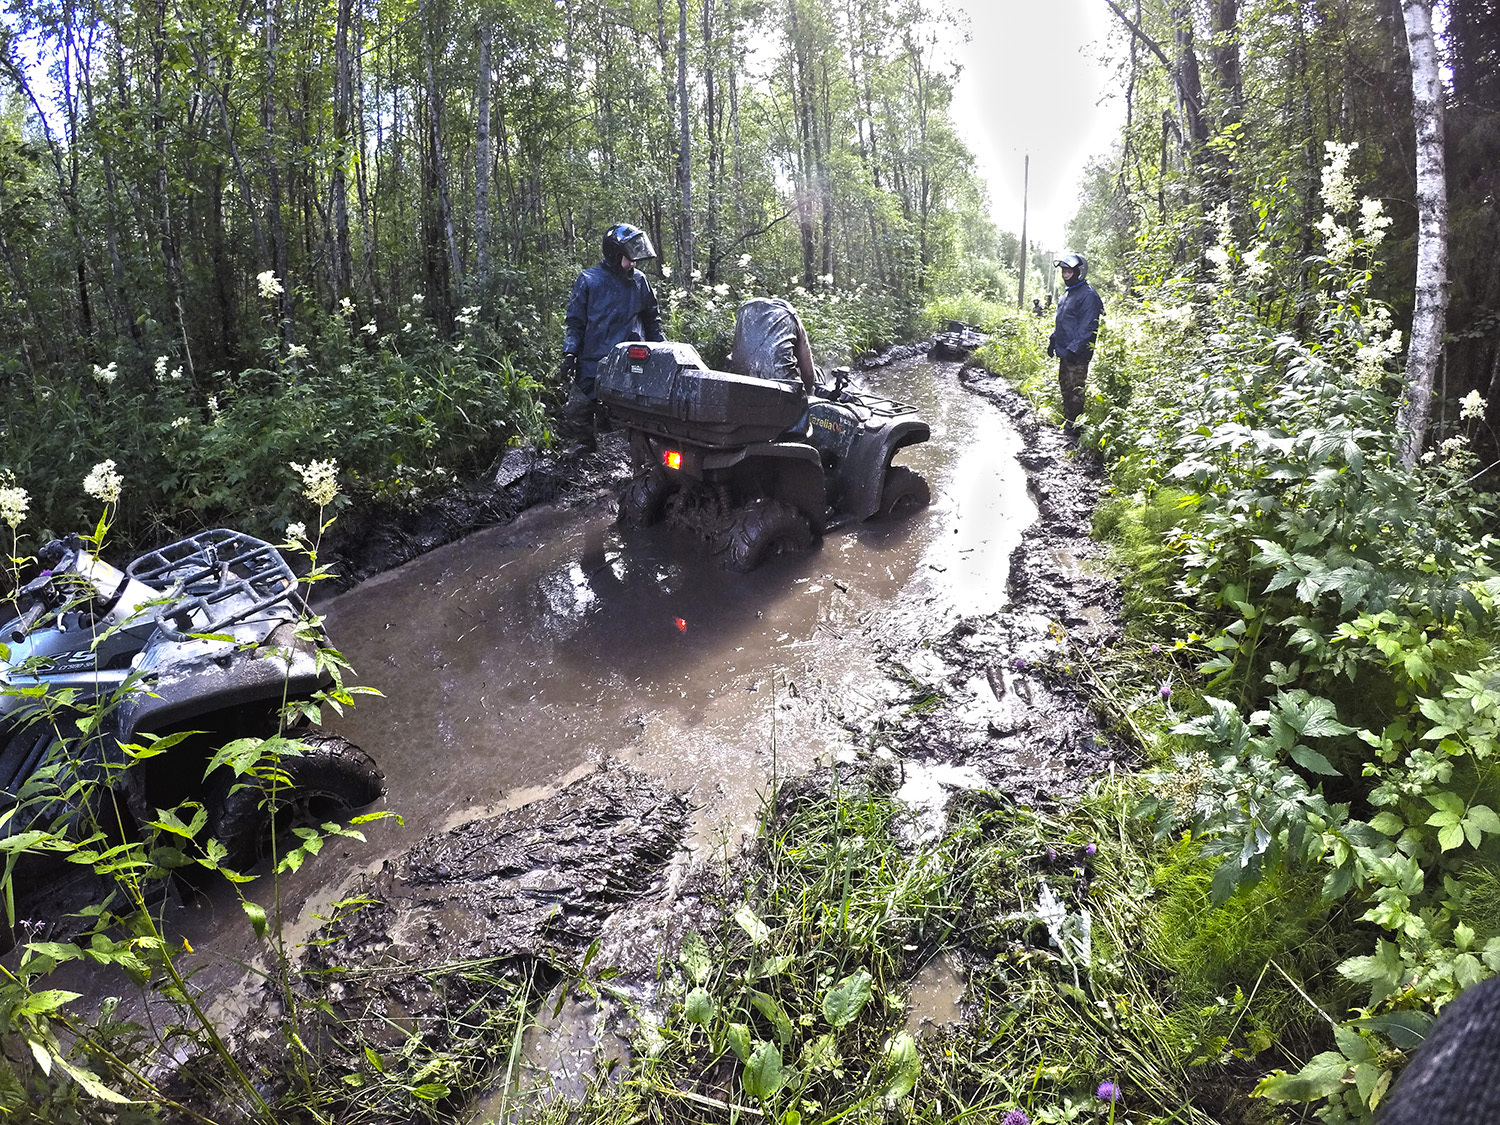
644	498
330	780
764	528
905	492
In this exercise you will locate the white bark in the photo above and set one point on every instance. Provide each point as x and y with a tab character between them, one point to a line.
1429	319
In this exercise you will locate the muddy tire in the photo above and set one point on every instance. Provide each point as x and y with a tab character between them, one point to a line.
762	529
905	492
330	780
644	498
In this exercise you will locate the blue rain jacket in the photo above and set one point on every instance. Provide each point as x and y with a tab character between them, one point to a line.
608	307
1077	325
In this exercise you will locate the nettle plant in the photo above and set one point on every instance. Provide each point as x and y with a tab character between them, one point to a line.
1353	699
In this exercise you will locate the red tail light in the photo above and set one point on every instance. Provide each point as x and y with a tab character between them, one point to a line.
638	351
672	459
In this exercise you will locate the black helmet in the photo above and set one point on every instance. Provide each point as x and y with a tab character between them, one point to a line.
624	240
1074	262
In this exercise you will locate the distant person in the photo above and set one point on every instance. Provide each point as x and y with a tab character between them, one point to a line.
1036	307
611	302
770	343
1073	334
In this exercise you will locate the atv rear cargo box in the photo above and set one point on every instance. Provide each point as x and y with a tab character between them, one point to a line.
664	389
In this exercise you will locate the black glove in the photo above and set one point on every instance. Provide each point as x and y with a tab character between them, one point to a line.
568	368
1051	351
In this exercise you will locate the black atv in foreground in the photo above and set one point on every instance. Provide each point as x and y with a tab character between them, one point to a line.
201	643
751	464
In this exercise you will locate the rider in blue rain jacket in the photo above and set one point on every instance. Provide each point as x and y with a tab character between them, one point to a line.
1074	333
612	302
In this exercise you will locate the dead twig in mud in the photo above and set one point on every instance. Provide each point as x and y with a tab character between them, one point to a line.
700	1099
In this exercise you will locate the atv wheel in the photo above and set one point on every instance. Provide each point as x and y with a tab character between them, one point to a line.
905	491
329	780
643	499
764	528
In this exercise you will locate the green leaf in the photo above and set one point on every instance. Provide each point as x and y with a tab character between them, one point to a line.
1310	759
737	1035
1320	1078
694	957
698	1007
763	1074
257	915
430	1091
1406	1029
773	1011
842	1002
903	1065
750	922
1388	823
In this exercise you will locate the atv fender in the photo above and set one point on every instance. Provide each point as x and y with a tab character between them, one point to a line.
863	473
798	472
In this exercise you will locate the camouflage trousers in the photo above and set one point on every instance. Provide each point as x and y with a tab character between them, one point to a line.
1070	379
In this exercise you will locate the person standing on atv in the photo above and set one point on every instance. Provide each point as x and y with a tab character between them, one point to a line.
611	302
770	343
1074	333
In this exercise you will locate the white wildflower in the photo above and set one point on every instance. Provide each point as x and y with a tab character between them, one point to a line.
346	307
370	329
106	375
1256	266
176	373
213	407
1338	189
296	351
721	290
744	260
826	278
161	366
1338	239
103	483
406	327
1472	405
416	298
467	315
296	531
319	480
749	281
1453	444
1373	220
666	271
1223	263
270	285
697	275
15	501
181	421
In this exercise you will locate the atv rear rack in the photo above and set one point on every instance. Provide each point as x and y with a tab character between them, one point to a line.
225	576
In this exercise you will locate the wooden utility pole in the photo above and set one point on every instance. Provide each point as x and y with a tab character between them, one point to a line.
1025	190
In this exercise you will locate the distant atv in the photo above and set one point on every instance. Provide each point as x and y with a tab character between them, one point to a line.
206	639
956	341
723	454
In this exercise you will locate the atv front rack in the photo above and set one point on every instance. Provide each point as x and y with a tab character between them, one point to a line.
225	577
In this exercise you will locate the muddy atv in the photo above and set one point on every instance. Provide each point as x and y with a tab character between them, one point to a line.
753	465
956	341
201	643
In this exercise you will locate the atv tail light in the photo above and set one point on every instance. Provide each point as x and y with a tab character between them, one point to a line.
638	351
672	459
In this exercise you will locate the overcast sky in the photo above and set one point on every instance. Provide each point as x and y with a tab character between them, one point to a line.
1031	84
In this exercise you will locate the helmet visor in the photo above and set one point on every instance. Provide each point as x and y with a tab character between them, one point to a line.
1068	262
638	247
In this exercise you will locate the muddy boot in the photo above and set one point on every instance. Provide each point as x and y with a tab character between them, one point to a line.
578	421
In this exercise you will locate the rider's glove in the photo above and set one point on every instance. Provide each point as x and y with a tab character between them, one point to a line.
568	368
1051	351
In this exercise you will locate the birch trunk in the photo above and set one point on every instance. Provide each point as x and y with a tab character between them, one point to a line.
1429	318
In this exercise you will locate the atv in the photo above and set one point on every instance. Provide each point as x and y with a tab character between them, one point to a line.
200	643
754	465
956	341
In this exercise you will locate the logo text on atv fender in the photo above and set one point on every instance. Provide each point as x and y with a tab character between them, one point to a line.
828	424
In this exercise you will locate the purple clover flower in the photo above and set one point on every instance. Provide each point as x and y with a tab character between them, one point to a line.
1108	1092
1015	1117
1091	849
1166	693
1019	663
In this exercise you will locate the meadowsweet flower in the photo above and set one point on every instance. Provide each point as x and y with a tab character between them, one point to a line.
180	421
666	271
744	260
103	483
467	315
1108	1092
697	275
176	373
296	530
1015	1117
1256	266
319	480
269	284
1338	240
416	298
722	289
346	307
106	375
1452	445
406	327
296	351
161	367
15	501
369	329
1373	220
1338	188
1472	405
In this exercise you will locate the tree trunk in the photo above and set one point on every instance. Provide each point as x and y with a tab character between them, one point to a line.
685	146
343	106
482	161
1429	317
